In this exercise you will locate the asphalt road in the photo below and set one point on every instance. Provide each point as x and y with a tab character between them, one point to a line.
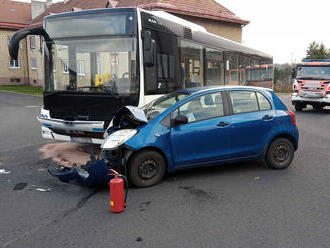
238	205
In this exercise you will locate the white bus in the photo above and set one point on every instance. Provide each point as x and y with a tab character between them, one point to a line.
97	61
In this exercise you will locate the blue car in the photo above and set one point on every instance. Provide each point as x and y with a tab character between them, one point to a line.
200	127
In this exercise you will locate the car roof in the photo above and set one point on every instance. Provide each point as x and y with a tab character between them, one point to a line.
197	90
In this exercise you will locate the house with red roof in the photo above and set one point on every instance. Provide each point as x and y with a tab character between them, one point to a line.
29	68
13	16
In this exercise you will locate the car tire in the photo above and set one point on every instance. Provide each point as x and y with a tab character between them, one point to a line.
298	107
280	154
146	168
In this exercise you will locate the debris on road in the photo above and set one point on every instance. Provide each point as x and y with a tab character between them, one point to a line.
4	172
96	173
43	190
256	178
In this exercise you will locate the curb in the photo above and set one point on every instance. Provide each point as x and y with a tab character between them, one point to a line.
7	91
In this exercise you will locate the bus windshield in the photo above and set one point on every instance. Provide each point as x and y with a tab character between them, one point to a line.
92	65
91	52
313	72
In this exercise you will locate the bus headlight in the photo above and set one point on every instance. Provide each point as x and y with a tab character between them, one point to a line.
294	94
117	138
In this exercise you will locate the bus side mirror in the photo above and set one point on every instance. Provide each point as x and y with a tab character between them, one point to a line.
149	48
294	71
15	38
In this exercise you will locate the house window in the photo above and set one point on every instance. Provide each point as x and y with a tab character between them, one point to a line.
14	63
81	67
41	43
33	63
32	42
65	66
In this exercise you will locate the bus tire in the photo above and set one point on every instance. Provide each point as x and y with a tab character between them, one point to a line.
146	168
280	154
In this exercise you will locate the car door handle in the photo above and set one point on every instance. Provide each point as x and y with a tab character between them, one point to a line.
267	117
223	124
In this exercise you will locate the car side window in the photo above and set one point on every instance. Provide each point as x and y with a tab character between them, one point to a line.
264	104
201	108
244	101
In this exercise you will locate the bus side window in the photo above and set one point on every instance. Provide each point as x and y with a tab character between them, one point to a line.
255	71
232	73
244	63
191	64
214	67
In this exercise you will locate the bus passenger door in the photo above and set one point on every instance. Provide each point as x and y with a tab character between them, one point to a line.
164	76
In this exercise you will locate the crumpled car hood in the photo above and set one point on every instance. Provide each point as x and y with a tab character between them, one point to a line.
128	117
135	113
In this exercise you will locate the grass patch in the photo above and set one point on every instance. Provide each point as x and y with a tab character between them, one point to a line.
25	89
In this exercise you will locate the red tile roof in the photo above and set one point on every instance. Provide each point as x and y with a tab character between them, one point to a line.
202	8
14	15
69	6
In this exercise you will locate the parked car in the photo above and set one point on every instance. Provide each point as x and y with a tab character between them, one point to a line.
201	127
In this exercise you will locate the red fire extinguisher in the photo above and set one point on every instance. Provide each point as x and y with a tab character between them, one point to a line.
117	192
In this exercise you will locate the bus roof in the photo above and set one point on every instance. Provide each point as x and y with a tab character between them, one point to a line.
199	33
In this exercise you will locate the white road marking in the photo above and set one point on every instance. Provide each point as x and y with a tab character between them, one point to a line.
32	106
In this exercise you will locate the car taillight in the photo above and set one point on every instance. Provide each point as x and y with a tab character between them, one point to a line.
293	117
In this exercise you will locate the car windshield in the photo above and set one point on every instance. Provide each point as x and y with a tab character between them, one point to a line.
313	72
158	106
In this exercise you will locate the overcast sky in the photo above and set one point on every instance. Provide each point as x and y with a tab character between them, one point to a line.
282	28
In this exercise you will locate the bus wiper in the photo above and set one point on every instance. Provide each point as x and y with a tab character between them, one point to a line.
111	92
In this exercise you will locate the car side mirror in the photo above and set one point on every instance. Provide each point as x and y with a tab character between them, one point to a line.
179	120
149	49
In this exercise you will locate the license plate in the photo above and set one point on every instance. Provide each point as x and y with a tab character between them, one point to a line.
81	140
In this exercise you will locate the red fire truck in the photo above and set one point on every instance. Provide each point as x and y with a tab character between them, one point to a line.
311	84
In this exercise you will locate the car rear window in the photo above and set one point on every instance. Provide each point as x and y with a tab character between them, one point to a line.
264	104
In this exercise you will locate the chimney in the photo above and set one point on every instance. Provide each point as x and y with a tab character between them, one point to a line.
48	3
37	8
